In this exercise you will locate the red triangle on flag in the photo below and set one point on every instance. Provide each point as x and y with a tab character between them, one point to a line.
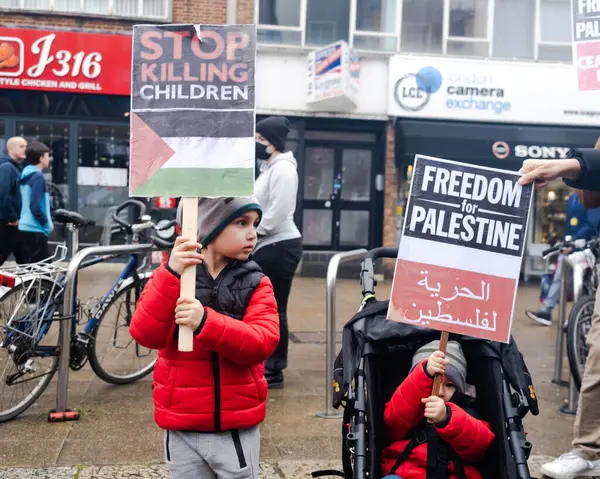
149	153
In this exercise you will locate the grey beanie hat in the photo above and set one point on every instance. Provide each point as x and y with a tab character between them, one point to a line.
456	370
215	214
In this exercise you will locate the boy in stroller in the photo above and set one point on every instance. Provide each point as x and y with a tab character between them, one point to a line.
454	439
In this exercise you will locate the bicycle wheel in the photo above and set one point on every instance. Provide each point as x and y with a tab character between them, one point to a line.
578	326
114	355
29	346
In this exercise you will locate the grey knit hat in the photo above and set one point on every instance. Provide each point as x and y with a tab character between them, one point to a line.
456	370
215	214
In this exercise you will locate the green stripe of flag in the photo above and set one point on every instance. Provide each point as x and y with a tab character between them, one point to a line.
199	182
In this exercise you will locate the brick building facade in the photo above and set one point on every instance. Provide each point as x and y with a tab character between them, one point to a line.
374	220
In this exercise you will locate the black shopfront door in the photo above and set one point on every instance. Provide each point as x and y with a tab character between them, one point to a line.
339	185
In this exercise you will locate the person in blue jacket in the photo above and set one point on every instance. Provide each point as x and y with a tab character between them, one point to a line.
35	222
580	224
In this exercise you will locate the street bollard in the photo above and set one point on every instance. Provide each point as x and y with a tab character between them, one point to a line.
560	334
330	303
570	405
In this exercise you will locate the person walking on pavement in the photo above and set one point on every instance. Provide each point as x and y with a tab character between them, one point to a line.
279	247
35	222
580	170
10	199
580	224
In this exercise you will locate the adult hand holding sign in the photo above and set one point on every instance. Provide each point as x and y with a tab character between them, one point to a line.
543	171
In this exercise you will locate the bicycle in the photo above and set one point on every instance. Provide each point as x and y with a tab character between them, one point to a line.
579	322
34	303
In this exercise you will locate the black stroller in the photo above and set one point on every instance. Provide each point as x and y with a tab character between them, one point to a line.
376	356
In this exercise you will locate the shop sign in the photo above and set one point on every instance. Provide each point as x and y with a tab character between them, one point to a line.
493	91
333	78
586	43
54	60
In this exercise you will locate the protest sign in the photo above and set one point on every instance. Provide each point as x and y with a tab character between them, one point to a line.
586	42
461	249
192	120
192	110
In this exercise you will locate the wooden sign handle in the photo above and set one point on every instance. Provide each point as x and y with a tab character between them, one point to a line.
189	229
437	381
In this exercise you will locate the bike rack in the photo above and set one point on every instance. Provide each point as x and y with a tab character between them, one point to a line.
570	405
330	304
62	413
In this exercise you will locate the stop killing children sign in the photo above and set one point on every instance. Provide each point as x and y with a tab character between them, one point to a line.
192	110
461	249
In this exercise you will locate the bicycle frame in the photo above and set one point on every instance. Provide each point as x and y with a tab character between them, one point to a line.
37	324
129	271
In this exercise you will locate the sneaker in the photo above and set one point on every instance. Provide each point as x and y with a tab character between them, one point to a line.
542	317
570	466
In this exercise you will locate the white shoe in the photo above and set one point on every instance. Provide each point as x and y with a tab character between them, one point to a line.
570	466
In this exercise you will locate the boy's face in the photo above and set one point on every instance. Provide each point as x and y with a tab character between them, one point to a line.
447	389
238	239
45	160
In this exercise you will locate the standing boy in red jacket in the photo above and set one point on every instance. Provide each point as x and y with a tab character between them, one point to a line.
455	441
211	400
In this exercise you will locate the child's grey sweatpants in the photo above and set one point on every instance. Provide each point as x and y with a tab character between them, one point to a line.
223	455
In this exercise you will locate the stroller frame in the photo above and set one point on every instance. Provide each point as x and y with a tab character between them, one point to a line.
357	362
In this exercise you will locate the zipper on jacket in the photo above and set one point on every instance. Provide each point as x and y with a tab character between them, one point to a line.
217	381
215	356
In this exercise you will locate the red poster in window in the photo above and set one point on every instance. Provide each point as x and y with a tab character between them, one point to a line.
65	61
588	65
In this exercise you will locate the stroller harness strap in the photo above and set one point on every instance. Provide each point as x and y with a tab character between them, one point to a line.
439	453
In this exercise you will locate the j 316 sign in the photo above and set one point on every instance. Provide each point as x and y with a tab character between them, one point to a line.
64	61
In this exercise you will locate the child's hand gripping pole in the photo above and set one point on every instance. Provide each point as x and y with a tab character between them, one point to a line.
189	228
438	378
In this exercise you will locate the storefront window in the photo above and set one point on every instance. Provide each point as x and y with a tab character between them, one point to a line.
56	137
2	137
103	162
550	212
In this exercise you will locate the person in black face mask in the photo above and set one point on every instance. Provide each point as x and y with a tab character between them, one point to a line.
279	246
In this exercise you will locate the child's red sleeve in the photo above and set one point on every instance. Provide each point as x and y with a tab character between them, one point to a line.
470	438
405	409
253	339
153	323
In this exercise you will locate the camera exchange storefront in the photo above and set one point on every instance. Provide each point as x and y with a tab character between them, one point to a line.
492	114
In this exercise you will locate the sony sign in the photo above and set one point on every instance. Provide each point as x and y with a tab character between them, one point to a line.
544	152
502	150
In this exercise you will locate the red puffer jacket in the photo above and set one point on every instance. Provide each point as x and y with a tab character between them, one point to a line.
220	385
470	438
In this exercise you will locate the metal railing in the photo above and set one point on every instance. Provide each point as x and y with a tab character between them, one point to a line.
330	305
65	331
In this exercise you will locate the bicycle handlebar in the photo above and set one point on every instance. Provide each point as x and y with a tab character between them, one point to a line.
161	243
121	207
578	244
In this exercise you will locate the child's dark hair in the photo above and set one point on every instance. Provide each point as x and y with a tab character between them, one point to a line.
34	152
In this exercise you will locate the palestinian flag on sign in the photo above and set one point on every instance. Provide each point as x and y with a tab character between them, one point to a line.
192	110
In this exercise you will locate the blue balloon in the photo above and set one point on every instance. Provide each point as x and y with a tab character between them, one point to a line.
392	476
429	79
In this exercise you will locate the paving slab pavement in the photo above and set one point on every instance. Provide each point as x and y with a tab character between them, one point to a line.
117	427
